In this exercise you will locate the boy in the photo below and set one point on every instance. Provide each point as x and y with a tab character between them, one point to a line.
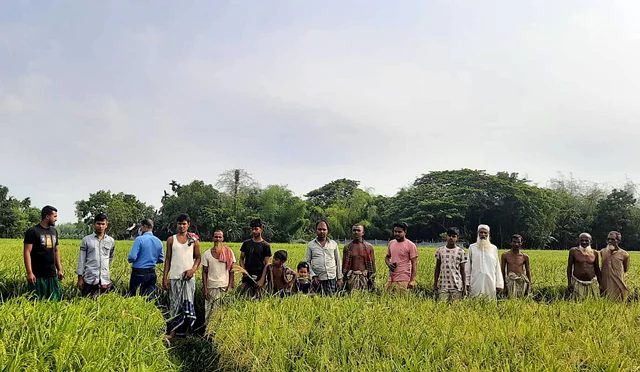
449	276
303	283
278	274
517	284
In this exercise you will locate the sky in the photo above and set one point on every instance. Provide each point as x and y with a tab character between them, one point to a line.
129	95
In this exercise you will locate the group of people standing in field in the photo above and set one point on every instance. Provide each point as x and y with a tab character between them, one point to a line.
480	273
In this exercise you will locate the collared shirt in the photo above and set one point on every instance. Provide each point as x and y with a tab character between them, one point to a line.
324	262
369	259
483	271
146	252
95	259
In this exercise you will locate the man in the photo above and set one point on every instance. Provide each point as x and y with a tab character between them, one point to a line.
514	263
255	255
615	263
323	256
401	259
359	262
94	261
183	259
146	252
42	257
583	270
483	267
449	276
217	273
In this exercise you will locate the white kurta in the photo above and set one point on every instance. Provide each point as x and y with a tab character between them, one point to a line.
483	272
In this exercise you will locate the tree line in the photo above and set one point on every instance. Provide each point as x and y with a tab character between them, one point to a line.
548	217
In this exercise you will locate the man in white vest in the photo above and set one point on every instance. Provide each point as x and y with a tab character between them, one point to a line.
484	276
183	259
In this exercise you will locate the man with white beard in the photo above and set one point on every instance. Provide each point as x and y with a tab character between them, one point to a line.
615	263
484	276
583	270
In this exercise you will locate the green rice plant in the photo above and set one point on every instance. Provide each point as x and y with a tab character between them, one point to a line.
367	332
111	333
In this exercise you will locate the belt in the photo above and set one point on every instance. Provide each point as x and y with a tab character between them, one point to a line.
145	270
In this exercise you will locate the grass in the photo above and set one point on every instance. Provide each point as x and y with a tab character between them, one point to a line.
366	332
112	333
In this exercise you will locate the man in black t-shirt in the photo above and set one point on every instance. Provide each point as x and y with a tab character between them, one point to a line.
42	257
255	255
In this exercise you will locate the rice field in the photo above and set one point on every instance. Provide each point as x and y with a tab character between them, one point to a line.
367	332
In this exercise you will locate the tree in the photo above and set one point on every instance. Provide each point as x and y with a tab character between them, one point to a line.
332	193
283	211
123	211
208	209
616	212
16	216
234	182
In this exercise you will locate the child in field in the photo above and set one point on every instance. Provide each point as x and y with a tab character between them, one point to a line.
514	263
449	276
280	277
303	281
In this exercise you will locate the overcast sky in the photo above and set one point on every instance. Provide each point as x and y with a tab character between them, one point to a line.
128	95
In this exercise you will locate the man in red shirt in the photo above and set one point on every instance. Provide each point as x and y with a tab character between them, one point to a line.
402	260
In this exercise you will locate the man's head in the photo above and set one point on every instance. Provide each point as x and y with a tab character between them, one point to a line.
613	239
516	241
400	230
256	227
183	222
585	240
322	229
279	258
49	215
357	231
483	237
452	236
218	236
100	223
146	225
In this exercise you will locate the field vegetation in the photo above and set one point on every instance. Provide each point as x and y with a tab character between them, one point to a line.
365	332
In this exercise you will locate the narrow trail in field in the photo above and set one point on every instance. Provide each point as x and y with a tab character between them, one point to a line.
196	353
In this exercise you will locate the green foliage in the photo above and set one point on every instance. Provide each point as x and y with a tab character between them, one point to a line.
110	334
16	216
410	333
123	211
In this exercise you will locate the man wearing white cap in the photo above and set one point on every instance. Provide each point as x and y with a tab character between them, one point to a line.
484	276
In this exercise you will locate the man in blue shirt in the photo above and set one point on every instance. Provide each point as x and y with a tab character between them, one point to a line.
146	252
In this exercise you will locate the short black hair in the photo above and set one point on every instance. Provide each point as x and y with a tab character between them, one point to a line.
47	211
99	217
281	255
516	236
402	225
147	222
256	222
303	265
453	231
321	221
183	217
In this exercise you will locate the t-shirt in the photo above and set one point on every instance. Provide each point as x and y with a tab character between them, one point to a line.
254	255
401	253
43	253
217	275
450	275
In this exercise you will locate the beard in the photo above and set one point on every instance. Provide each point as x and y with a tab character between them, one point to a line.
611	247
218	247
588	250
484	244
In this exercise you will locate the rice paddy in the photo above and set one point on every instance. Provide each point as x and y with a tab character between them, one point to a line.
365	332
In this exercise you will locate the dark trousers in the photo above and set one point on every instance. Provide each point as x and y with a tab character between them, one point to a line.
93	289
144	281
